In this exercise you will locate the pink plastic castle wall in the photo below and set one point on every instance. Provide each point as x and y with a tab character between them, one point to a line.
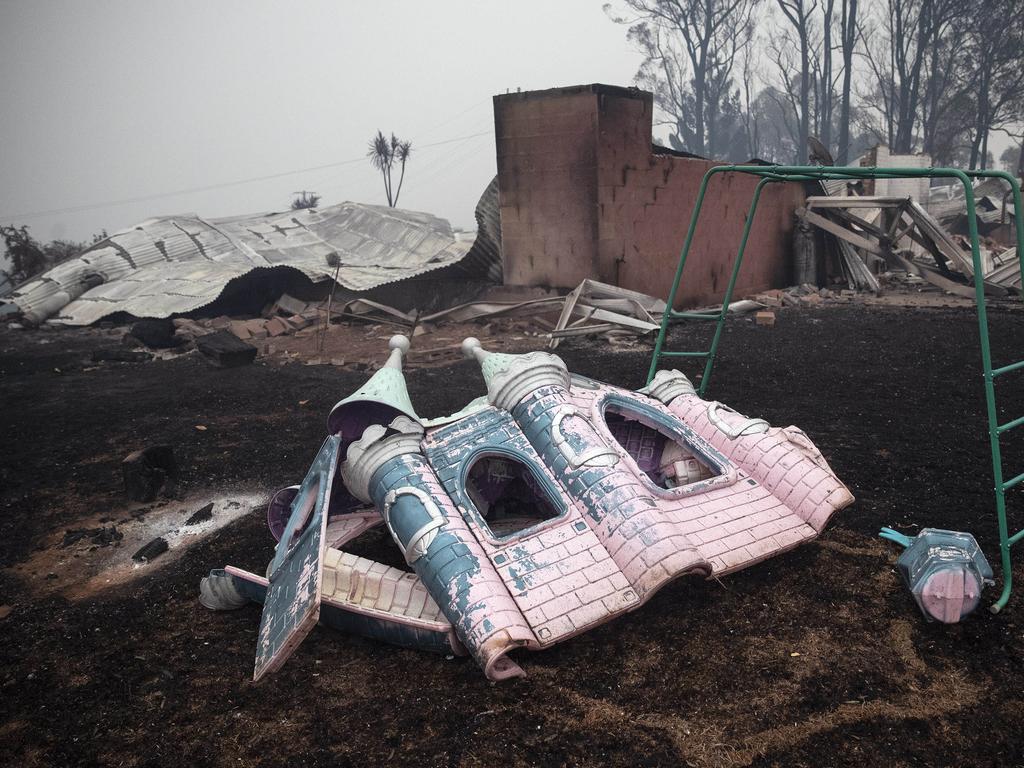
551	506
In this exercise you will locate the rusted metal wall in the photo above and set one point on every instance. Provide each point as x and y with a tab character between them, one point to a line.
582	195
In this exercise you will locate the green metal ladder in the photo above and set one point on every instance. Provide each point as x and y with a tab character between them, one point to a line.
785	173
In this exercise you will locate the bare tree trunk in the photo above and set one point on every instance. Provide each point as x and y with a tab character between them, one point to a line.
749	118
689	48
805	96
700	79
798	14
849	41
825	100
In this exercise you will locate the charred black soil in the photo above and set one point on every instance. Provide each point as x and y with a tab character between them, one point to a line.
817	657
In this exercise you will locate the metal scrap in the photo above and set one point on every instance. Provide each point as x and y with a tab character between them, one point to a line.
176	264
606	304
877	226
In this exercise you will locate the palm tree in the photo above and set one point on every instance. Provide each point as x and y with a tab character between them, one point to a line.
384	153
402	152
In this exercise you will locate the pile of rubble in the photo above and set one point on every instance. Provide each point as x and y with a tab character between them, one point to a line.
347	331
805	295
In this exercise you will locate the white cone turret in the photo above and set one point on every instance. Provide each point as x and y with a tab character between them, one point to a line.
510	378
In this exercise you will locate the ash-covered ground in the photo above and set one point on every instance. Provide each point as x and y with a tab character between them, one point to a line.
817	657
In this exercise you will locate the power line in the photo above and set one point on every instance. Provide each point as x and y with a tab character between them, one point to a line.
210	187
477	104
344	187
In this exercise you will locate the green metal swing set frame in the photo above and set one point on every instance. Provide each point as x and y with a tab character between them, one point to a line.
784	173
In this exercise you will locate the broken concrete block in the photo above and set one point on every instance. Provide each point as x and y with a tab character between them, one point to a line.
189	329
145	472
241	329
765	317
226	349
289	305
276	326
256	328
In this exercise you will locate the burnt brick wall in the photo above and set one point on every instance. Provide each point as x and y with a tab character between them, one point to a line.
582	195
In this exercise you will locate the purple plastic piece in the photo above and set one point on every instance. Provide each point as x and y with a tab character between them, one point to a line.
280	509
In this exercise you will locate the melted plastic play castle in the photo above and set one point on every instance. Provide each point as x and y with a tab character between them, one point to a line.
550	506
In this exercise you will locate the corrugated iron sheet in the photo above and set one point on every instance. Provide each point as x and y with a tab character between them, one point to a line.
1007	272
177	264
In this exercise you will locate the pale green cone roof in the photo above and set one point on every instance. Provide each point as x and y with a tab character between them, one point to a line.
387	386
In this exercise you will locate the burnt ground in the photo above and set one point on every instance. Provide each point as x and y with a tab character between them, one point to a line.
817	657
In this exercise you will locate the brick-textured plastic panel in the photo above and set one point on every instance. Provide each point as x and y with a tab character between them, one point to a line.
292	606
423	636
783	461
456	571
752	518
646	545
374	586
559	573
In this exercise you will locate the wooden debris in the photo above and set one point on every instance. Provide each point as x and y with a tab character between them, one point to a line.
879	227
201	515
150	551
120	356
156	333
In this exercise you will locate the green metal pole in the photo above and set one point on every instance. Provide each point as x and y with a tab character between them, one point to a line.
990	393
667	316
737	262
1005	541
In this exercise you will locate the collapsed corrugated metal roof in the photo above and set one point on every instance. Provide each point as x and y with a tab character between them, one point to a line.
176	264
993	204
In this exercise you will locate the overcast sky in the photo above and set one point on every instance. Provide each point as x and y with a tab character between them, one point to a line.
106	101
